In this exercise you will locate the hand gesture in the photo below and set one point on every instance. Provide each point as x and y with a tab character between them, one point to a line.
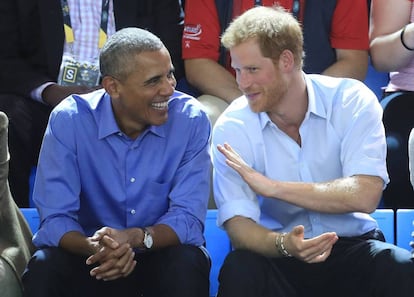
313	250
114	254
257	182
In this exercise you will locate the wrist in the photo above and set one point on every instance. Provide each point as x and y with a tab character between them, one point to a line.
280	245
136	237
403	40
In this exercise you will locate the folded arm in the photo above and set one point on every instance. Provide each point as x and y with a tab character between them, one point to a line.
349	194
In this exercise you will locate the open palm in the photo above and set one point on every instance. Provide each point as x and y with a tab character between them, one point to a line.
259	183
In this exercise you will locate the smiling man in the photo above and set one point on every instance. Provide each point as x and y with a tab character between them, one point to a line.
123	183
299	165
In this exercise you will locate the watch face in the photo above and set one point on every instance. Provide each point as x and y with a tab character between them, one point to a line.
147	239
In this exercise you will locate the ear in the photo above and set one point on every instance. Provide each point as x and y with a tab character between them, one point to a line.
286	60
111	86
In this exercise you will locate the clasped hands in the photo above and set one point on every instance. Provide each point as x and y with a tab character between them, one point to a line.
114	256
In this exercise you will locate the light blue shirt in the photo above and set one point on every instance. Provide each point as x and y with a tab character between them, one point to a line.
342	135
92	175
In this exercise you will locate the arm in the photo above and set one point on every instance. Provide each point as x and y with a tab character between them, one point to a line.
113	254
356	193
387	20
211	78
26	68
349	38
201	46
168	25
113	249
349	63
189	165
54	93
246	234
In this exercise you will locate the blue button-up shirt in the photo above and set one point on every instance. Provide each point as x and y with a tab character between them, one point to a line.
91	175
342	135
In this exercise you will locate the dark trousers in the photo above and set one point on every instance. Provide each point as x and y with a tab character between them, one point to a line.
27	124
178	271
358	267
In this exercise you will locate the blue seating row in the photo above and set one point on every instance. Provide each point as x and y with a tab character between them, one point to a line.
218	244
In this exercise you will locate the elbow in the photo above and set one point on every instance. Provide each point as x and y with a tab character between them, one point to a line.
380	58
367	198
379	64
370	201
370	208
192	69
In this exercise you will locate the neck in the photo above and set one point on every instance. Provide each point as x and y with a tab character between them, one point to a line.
291	111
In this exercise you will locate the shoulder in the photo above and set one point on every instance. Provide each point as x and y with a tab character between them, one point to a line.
342	100
76	106
332	96
237	120
238	110
340	89
185	110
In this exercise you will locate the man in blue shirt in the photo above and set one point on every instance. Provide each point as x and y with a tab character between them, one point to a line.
299	164
123	183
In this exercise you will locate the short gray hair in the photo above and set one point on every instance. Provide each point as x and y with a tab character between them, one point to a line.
120	48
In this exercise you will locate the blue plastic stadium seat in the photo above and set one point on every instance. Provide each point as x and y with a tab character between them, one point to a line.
405	223
218	245
32	178
385	220
32	218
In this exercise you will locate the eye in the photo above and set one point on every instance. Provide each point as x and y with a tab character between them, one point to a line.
153	81
170	74
252	69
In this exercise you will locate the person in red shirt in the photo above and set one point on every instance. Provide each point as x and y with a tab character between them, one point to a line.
336	44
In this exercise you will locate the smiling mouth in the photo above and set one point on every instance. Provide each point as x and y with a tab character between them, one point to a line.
160	105
251	96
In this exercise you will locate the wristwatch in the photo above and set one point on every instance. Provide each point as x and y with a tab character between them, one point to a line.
147	239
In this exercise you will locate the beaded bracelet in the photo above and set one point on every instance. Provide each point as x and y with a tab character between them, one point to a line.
402	39
281	246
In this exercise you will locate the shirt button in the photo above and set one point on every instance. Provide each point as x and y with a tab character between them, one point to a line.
133	211
132	180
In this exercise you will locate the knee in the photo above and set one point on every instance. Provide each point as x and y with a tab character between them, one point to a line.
395	266
189	258
240	265
52	263
194	270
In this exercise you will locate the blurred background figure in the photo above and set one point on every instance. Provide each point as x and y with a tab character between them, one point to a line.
15	235
336	44
52	52
411	156
392	50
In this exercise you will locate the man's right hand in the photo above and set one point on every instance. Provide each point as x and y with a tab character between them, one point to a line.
312	250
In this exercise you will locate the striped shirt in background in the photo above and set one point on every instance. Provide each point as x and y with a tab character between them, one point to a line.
85	16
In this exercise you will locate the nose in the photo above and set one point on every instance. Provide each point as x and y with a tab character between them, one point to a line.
243	80
168	86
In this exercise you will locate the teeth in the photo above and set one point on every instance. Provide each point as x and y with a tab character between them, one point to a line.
160	105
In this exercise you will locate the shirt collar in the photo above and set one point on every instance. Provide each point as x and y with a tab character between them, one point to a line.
107	124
